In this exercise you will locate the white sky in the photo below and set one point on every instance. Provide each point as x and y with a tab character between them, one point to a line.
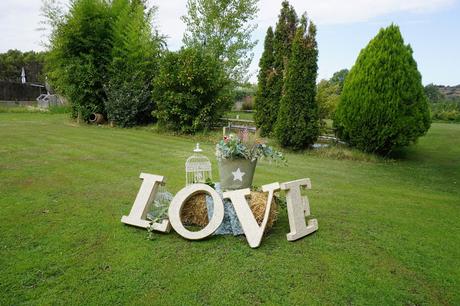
19	20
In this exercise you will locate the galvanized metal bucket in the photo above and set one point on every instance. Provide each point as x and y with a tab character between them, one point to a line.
236	173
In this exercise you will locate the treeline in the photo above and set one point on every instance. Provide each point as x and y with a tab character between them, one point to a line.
444	107
106	57
12	62
378	106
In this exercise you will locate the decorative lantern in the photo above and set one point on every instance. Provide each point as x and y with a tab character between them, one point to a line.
197	168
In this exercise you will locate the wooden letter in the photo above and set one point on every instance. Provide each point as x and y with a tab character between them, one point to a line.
252	230
144	199
298	208
179	200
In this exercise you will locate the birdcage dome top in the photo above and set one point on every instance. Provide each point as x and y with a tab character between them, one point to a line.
197	167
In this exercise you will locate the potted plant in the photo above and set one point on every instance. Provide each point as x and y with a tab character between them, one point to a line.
237	157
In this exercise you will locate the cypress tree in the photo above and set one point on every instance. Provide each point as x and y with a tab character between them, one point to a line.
383	105
297	125
282	41
264	95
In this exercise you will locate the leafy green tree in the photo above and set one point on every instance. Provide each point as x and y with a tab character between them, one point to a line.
433	93
224	28
191	90
383	105
284	34
80	52
297	126
327	97
135	54
264	96
339	78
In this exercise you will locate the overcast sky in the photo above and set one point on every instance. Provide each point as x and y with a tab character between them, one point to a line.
432	27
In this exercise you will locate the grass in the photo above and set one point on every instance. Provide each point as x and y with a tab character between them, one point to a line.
58	109
241	114
389	232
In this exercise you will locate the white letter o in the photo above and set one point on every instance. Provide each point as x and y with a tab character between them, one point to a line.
178	201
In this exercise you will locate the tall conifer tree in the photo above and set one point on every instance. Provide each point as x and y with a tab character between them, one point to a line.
264	96
383	105
282	42
297	124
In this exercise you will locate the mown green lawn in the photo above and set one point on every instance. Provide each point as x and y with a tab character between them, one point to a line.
389	231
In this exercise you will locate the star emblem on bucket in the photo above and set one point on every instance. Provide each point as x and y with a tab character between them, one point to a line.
238	175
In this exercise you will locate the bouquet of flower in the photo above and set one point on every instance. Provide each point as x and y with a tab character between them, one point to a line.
245	146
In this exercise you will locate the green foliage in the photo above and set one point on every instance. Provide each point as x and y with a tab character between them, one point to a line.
285	31
327	97
224	28
247	90
12	62
103	58
246	146
135	54
338	78
282	44
433	93
446	111
383	105
264	97
248	104
297	125
191	91
80	53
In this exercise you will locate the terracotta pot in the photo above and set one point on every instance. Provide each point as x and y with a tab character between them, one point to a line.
96	118
236	173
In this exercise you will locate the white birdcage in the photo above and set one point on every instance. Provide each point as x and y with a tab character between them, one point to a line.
197	168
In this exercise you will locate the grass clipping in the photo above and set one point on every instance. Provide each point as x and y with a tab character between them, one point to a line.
194	211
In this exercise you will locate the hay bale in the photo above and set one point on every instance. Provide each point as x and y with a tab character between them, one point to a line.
258	202
194	211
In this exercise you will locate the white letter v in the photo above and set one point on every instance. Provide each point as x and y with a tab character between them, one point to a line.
251	229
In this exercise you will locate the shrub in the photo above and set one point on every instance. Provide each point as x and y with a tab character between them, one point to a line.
129	101
446	111
327	97
135	57
244	91
383	105
297	125
248	103
191	91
